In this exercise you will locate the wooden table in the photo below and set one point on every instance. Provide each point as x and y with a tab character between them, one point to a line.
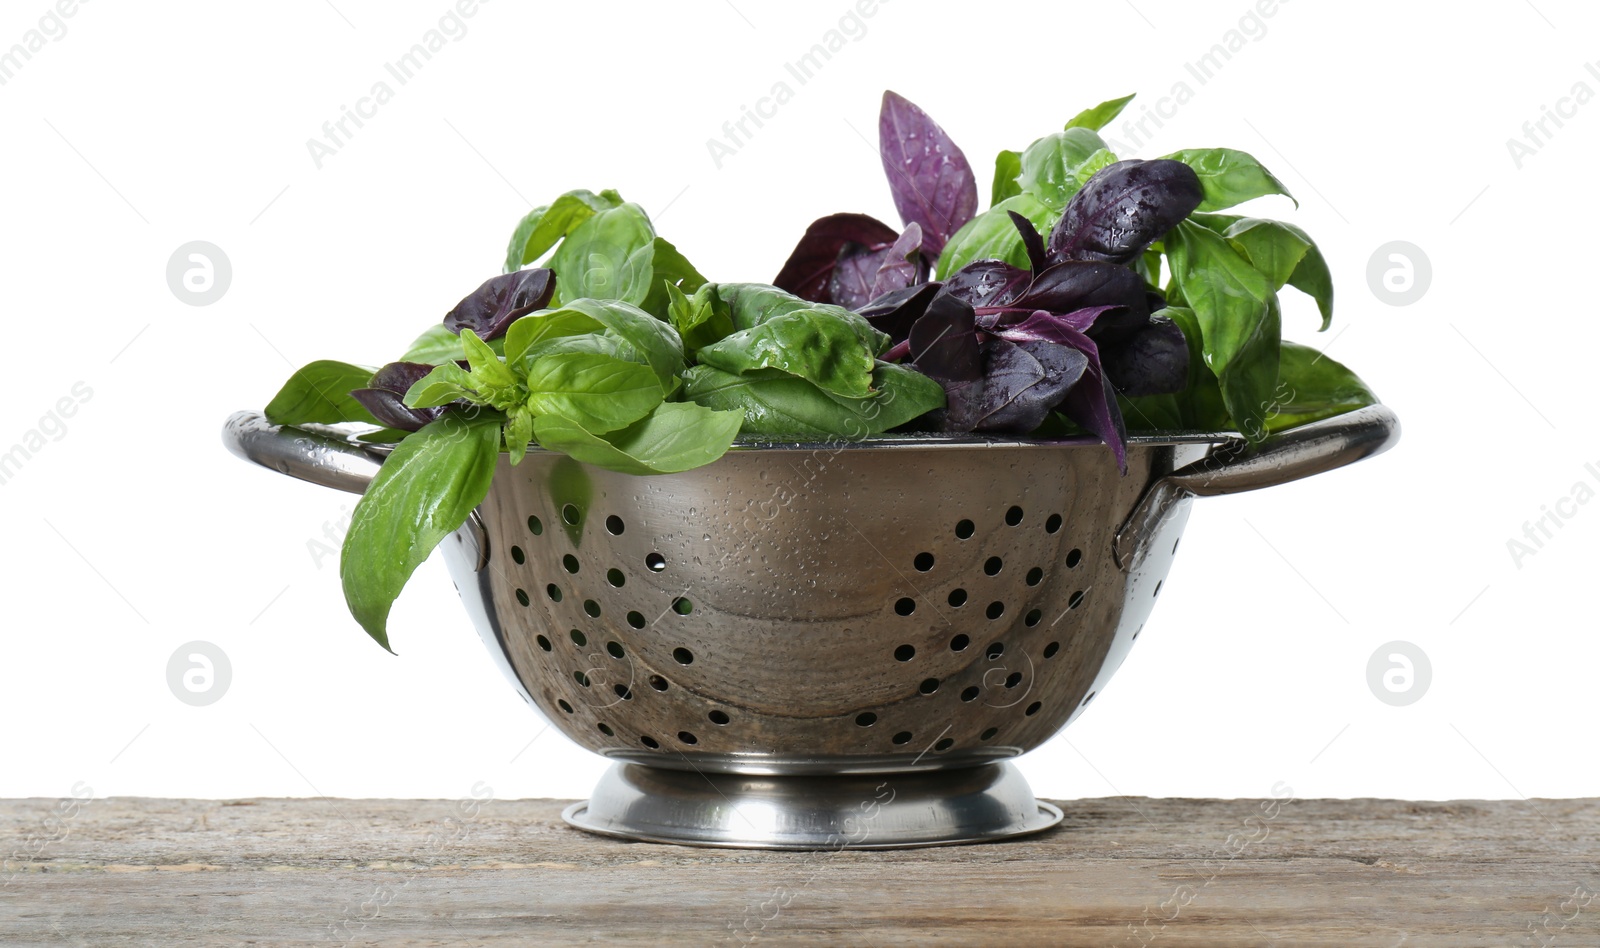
1119	871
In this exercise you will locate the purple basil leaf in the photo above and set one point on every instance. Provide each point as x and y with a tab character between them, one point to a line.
930	178
1092	402
1074	285
894	312
1031	241
1021	383
385	396
1123	208
850	284
1062	367
988	283
491	309
944	342
810	266
903	265
1045	326
1153	361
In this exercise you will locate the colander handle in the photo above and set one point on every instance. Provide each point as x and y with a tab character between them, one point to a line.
1237	466
326	457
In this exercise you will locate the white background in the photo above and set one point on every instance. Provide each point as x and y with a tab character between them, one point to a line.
146	127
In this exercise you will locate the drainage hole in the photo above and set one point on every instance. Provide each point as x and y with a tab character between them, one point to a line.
928	686
923	562
1013	516
905	653
905	606
636	620
958	598
683	657
904	737
614	525
964	529
866	719
718	717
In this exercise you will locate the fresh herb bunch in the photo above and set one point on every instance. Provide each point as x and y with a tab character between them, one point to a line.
602	342
1052	301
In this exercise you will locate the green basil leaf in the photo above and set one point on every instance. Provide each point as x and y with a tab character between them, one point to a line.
1238	317
1309	274
1313	278
751	304
1049	167
518	433
992	236
1271	247
443	385
1150	413
1101	115
1201	405
543	226
596	392
832	351
654	339
440	345
607	257
676	436
425	489
536	328
1007	167
780	405
1311	387
669	270
1092	166
435	346
700	319
319	393
1229	177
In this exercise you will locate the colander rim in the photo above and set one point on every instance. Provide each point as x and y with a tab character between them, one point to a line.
352	432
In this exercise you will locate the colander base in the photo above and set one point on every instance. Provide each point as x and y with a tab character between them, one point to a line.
855	811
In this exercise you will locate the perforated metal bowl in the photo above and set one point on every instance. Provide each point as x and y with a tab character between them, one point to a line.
792	623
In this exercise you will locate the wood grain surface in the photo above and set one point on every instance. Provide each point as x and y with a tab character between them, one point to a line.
1117	872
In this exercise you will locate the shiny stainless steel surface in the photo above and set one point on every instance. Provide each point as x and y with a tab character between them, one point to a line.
881	811
899	605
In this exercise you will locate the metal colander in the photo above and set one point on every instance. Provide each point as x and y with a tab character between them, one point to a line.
793	623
